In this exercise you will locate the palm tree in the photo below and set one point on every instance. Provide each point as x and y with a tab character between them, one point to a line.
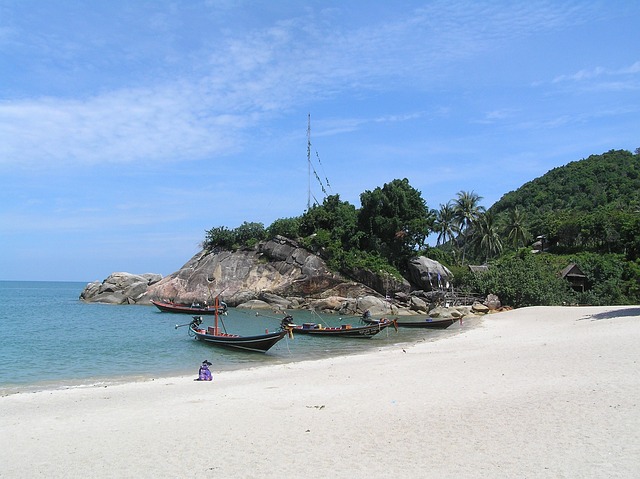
467	209
445	224
486	235
517	232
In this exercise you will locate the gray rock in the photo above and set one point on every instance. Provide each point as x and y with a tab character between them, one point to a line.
254	304
119	288
90	291
381	282
479	308
274	270
276	274
276	301
375	305
330	304
492	302
428	274
418	304
152	278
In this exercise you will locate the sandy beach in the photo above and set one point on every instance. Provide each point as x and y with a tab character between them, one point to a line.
536	392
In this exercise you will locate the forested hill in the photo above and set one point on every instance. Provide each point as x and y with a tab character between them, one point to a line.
612	178
592	203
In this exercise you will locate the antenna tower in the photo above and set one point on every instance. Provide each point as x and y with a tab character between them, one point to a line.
309	161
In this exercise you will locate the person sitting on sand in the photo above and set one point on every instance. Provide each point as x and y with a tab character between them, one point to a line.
204	374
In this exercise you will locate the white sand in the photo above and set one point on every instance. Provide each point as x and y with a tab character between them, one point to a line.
537	392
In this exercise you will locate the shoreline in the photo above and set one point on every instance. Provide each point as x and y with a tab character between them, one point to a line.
114	380
533	392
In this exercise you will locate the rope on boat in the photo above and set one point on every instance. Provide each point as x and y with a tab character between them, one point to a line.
258	313
286	338
313	311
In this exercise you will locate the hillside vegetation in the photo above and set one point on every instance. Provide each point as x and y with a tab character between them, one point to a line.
587	213
592	204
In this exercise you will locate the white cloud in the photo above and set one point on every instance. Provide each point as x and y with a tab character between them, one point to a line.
245	80
598	72
117	127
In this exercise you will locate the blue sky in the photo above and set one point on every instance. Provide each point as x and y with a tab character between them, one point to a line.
128	129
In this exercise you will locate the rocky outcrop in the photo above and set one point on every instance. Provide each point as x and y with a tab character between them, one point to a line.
120	288
276	274
428	274
382	283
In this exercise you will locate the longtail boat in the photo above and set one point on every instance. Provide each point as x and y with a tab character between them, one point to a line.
344	331
194	308
214	336
429	323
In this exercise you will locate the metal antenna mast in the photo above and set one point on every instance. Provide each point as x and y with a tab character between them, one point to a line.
309	162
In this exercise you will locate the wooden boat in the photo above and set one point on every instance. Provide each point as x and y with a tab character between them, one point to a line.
198	309
344	331
429	323
214	336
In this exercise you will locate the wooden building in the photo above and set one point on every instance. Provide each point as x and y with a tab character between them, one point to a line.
575	276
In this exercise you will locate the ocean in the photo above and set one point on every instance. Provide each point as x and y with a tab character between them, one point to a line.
50	339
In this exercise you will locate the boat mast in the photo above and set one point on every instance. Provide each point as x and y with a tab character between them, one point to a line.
216	303
308	161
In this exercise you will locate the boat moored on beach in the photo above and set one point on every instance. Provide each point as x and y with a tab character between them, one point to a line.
212	335
215	336
428	323
343	331
193	308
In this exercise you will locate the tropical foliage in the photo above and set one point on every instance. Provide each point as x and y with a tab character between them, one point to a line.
587	212
524	280
395	221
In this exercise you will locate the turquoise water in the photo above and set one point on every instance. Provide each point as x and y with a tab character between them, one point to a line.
50	339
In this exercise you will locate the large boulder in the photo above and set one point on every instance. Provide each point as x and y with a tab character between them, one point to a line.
492	302
381	282
120	288
429	275
272	271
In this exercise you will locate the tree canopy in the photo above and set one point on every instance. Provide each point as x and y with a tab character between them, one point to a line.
395	221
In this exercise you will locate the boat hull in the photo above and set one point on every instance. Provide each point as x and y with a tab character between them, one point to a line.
362	332
184	309
426	324
260	343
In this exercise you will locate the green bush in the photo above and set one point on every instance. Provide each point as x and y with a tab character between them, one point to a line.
524	280
287	227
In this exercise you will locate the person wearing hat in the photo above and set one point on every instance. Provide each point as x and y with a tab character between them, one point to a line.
204	374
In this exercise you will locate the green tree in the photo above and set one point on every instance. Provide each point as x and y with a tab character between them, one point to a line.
337	217
486	236
288	227
249	233
517	232
218	237
445	224
467	209
395	221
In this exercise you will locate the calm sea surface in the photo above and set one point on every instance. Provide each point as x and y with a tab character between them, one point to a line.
50	339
